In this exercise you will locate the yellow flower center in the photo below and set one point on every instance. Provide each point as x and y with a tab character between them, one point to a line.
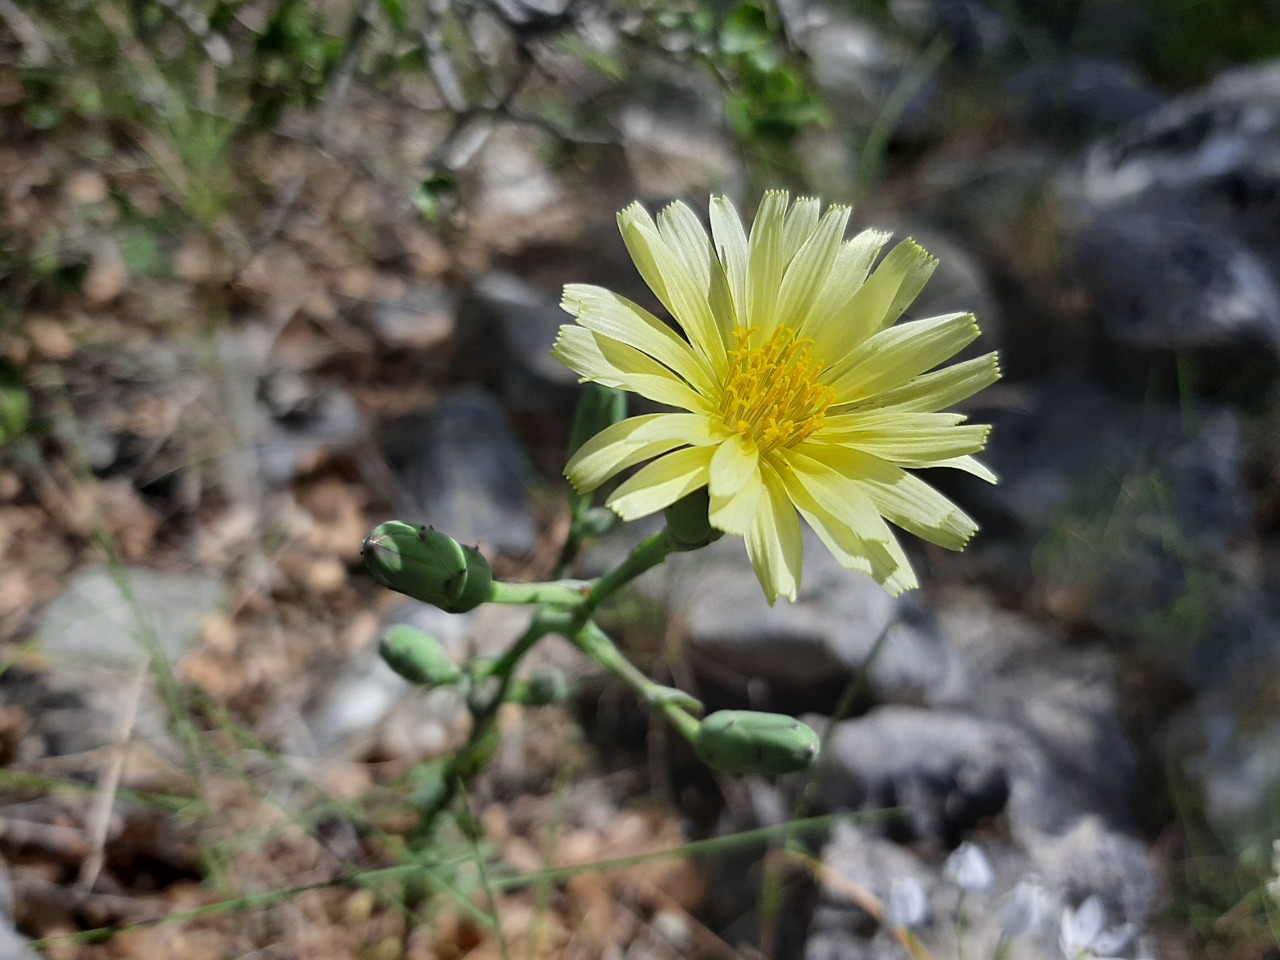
772	393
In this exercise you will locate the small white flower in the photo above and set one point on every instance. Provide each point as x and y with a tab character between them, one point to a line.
1084	936
1026	909
908	905
969	869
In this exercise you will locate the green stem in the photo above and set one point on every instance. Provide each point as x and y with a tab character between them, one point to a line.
559	593
595	643
648	554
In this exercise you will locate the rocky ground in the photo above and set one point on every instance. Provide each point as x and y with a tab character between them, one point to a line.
1067	742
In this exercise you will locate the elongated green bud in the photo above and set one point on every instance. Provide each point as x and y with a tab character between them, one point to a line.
427	565
743	741
688	526
418	657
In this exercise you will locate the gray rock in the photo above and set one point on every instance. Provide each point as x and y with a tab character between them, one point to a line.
116	618
13	945
1216	147
676	140
1124	512
1174	290
1084	97
304	419
368	696
947	769
1227	745
1090	859
96	636
506	329
861	68
840	928
463	471
1012	670
1182	229
972	29
422	318
804	650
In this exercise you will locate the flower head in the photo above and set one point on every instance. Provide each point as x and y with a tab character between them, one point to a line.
799	394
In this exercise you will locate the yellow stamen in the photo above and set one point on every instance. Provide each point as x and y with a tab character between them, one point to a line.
772	393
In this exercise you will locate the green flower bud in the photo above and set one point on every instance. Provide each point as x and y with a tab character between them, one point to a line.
743	741
418	657
687	524
427	565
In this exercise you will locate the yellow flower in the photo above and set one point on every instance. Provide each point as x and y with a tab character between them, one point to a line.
802	397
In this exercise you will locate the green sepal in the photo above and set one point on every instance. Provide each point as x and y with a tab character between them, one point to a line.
744	741
688	525
418	657
598	407
427	565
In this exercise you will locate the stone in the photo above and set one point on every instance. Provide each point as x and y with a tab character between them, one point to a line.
972	29
1013	670
505	331
1180	228
803	652
1214	147
1081	98
1177	294
421	319
115	618
947	769
860	68
863	861
676	140
1119	513
371	709
463	471
95	637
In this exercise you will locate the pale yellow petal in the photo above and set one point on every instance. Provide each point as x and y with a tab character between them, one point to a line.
673	283
684	233
659	484
898	496
848	272
606	361
894	356
905	438
879	302
625	444
827	485
943	388
731	249
810	267
775	543
798	226
610	315
735	485
967	464
765	262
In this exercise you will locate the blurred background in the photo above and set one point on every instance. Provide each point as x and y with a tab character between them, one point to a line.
274	271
